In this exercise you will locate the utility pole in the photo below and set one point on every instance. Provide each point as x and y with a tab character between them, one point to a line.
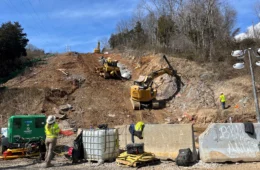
240	54
67	48
1	124
254	88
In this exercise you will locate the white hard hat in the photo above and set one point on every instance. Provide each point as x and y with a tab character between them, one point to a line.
51	119
109	58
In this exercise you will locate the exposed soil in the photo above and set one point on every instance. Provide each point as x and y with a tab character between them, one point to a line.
71	79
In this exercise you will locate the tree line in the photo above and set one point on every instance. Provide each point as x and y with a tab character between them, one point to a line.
13	49
197	29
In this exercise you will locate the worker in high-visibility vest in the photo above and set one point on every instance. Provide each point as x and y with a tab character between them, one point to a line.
222	100
51	131
137	130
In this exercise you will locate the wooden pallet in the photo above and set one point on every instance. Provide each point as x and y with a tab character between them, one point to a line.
138	163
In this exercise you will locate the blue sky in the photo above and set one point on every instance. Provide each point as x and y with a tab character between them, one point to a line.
246	14
53	24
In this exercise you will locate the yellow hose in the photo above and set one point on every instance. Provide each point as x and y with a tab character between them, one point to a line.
133	158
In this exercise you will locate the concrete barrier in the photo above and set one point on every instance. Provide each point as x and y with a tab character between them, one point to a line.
228	142
164	140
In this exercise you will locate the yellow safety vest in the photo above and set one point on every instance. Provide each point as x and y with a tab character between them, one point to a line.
139	126
52	131
222	98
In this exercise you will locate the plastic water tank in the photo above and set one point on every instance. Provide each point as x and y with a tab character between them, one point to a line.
100	145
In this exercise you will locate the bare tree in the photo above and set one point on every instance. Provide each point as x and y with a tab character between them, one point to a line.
123	26
204	26
104	43
257	9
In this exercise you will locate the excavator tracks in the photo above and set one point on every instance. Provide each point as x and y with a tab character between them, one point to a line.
138	106
156	105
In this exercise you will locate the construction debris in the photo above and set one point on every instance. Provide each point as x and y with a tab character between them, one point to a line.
64	71
125	73
60	116
66	107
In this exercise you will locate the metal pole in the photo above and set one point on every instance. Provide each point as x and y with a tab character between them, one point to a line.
254	88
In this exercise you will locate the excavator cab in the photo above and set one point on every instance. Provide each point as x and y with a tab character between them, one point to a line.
140	82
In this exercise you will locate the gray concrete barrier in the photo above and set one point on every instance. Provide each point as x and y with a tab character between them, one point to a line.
164	140
228	142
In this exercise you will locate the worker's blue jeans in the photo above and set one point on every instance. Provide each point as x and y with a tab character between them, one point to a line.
223	105
132	131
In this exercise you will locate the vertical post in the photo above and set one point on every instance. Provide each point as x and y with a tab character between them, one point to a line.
254	88
1	122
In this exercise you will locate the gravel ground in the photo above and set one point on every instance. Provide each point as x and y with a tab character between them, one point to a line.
64	164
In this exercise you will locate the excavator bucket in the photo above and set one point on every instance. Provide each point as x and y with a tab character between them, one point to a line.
135	105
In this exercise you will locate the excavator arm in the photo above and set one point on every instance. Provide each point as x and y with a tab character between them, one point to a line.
148	80
156	74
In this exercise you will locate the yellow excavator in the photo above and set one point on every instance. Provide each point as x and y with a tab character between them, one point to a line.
143	95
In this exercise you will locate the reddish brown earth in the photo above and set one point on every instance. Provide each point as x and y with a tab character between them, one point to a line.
97	100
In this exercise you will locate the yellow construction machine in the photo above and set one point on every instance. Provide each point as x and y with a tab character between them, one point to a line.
143	95
109	68
97	50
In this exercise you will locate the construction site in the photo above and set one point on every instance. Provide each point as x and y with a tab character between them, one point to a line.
72	87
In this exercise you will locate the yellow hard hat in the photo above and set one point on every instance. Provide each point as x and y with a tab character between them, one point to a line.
109	58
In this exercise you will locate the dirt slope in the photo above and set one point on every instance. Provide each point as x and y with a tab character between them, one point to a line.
71	79
95	101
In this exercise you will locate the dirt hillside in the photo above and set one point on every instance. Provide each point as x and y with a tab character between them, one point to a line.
71	79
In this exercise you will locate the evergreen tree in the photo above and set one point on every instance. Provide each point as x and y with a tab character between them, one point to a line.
139	36
166	29
12	46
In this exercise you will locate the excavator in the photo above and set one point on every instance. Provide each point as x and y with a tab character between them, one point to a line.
143	95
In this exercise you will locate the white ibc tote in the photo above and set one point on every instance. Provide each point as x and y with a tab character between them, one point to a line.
100	145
